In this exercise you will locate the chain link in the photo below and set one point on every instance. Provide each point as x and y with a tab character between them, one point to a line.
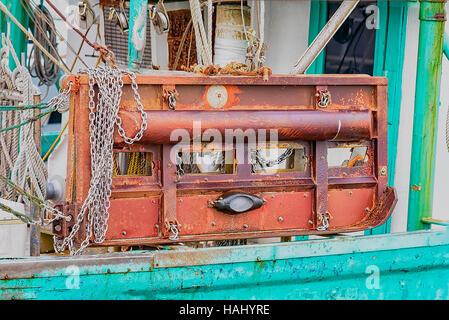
324	98
61	101
324	218
257	158
103	115
174	232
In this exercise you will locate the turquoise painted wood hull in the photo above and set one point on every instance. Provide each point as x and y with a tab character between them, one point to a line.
395	266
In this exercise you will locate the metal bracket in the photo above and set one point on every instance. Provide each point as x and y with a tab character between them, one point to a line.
172	228
61	227
170	95
323	97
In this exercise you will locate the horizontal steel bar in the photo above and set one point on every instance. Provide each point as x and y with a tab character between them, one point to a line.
294	124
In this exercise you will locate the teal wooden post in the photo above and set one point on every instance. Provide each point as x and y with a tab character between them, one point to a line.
18	38
318	19
432	17
137	33
3	22
389	62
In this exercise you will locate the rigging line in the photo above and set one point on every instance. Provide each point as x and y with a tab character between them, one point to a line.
107	55
55	142
79	49
17	23
243	19
71	25
31	13
60	35
32	119
258	22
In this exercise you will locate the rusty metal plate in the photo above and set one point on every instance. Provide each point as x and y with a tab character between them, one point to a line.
282	211
133	218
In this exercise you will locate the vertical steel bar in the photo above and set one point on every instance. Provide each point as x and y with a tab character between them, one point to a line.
321	181
137	33
35	230
432	20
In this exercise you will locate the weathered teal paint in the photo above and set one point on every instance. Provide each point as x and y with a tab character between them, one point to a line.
138	12
318	19
18	39
432	20
389	62
47	140
414	265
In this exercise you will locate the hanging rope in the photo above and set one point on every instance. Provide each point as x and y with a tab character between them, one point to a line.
45	69
204	47
9	139
258	58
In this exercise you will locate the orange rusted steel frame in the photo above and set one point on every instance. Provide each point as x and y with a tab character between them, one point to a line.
283	102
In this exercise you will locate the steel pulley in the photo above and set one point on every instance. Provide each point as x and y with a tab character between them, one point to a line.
85	16
159	17
121	19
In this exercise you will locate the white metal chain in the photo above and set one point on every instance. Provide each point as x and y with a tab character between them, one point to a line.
103	116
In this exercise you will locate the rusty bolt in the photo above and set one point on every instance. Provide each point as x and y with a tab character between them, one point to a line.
272	196
310	222
156	226
245	226
259	259
153	201
206	179
123	233
280	219
305	195
350	193
367	209
278	175
323	158
383	171
213	224
169	165
180	200
58	228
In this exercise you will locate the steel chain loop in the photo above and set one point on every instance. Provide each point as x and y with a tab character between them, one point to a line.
103	116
